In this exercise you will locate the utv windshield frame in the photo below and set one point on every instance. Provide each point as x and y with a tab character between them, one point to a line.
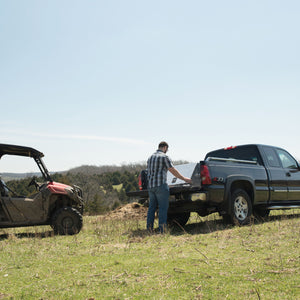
6	149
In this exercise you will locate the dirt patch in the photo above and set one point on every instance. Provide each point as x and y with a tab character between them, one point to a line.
129	211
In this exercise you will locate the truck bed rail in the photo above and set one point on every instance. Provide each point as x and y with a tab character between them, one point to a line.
232	160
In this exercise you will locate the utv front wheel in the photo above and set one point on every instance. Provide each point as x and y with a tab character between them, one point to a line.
66	221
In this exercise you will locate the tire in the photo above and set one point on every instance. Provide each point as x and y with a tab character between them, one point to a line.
178	219
66	221
240	208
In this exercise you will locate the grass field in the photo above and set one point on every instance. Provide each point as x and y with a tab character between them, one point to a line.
115	258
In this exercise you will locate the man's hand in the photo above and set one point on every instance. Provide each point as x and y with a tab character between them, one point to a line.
178	175
187	180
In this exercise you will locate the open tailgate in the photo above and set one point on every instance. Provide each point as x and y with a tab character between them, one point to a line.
176	185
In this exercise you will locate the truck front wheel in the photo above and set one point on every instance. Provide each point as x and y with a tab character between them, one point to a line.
240	207
66	221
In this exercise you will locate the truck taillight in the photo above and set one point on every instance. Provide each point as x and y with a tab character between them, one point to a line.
205	176
143	180
140	182
230	148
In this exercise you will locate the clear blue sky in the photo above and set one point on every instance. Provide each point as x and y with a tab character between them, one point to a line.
103	82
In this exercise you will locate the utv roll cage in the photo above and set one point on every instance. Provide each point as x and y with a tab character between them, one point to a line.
29	152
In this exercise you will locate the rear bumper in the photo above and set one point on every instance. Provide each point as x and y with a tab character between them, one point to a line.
174	190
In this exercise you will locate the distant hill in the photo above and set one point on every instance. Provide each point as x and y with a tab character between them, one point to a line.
16	176
86	170
98	170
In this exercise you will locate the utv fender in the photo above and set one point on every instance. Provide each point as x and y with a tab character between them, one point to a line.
235	182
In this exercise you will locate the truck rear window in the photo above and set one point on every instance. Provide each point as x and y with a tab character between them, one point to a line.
243	153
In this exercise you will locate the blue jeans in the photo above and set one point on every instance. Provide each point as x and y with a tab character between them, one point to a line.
158	196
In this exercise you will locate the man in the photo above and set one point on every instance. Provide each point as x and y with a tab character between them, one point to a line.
157	165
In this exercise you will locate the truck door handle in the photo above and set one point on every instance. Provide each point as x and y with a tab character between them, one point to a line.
288	174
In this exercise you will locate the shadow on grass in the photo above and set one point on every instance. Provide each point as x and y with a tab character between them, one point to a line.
206	227
283	217
40	235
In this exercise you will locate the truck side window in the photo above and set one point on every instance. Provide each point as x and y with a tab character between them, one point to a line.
272	158
287	160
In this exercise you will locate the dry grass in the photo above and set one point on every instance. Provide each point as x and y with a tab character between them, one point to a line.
115	258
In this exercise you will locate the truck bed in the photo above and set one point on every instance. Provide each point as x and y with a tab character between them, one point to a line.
176	185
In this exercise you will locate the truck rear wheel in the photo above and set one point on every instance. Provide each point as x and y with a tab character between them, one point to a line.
240	208
66	221
178	219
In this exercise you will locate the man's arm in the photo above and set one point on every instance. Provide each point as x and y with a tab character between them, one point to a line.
178	175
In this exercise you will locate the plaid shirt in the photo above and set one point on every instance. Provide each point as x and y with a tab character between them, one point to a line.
157	166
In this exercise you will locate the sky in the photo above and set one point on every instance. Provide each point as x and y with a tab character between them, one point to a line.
103	82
